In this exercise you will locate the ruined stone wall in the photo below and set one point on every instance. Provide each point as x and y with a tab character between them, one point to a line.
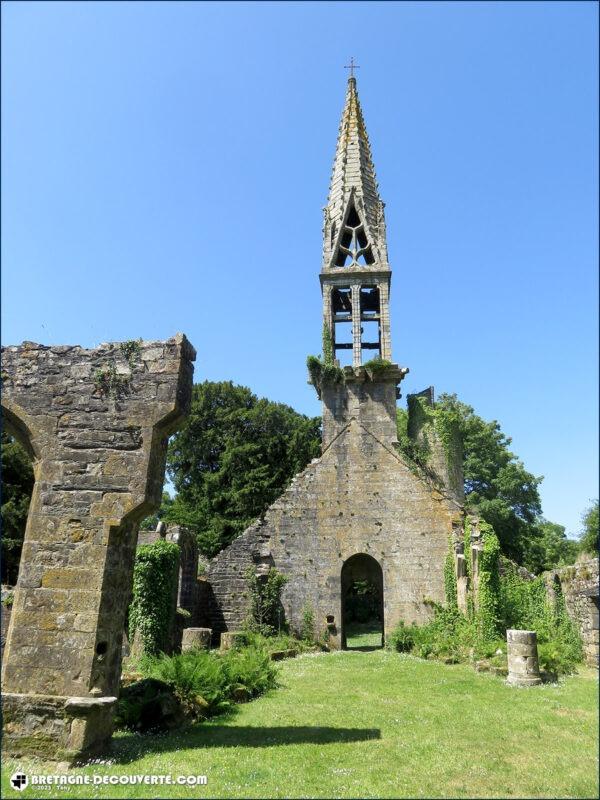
579	585
96	423
359	497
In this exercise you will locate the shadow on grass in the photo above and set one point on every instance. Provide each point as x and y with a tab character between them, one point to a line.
130	746
365	648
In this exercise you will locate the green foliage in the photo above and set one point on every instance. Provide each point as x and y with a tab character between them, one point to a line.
497	485
109	383
323	372
207	683
377	364
504	601
488	597
402	638
155	576
265	600
450	587
327	346
525	605
131	351
149	523
17	486
416	451
307	631
588	542
233	457
362	602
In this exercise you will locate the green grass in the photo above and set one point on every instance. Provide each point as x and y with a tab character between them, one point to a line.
363	635
374	724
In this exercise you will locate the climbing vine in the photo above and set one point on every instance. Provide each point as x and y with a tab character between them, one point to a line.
327	345
155	577
450	587
265	600
488	596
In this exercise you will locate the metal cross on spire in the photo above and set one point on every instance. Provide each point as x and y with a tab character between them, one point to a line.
352	66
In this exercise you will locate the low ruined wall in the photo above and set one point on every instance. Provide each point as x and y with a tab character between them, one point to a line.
579	584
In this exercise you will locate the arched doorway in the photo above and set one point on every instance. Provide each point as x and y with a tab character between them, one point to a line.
362	603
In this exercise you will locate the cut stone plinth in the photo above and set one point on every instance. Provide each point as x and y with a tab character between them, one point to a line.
230	639
523	666
196	639
96	423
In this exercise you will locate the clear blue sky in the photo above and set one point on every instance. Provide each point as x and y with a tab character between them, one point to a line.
165	165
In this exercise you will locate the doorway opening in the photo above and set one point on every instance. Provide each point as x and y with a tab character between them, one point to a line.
362	603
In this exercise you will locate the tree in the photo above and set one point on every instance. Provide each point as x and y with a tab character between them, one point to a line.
588	541
234	456
552	548
497	485
17	486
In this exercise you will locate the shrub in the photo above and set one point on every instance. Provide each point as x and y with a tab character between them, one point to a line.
402	639
265	600
307	631
250	668
207	683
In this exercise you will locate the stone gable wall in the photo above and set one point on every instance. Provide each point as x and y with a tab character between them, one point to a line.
359	497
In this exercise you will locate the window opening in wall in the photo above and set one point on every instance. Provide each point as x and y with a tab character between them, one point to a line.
354	248
341	314
369	340
17	487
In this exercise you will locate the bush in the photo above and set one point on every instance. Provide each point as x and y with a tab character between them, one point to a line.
250	668
402	639
307	631
148	704
265	600
207	683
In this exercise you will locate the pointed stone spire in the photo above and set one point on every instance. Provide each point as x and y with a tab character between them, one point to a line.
353	185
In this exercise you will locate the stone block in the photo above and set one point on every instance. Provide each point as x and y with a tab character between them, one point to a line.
523	665
196	639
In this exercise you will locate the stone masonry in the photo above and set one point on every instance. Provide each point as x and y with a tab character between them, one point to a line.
96	423
579	586
361	502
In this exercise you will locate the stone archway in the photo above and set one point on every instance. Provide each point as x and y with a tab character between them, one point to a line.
96	423
362	603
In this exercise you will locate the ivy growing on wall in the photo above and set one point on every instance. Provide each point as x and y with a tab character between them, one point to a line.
265	600
488	598
450	587
155	576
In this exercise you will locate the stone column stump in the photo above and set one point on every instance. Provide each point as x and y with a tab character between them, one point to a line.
523	666
196	639
230	639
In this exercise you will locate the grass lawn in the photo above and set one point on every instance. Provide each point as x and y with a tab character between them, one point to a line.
361	635
372	724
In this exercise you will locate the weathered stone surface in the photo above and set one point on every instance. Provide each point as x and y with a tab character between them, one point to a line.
94	423
361	496
523	666
230	639
579	586
196	639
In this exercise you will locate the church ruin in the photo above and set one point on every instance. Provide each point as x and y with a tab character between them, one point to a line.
96	423
361	511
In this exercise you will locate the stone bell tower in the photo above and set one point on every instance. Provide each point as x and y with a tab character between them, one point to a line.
362	511
355	282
